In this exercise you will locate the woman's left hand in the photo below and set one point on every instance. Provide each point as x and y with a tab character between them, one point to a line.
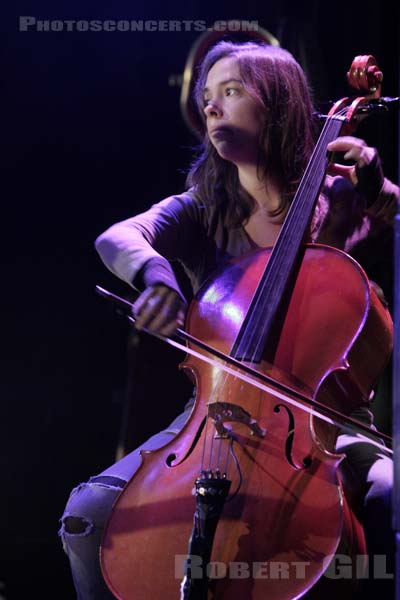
354	149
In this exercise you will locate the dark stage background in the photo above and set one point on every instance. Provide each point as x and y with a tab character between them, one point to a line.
91	133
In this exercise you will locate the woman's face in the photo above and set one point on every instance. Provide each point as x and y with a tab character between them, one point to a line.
234	119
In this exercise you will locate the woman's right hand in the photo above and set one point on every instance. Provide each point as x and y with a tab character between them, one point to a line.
160	310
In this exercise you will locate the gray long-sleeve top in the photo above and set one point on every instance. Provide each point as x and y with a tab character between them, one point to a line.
183	228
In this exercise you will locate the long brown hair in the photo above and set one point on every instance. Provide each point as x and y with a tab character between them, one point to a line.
275	80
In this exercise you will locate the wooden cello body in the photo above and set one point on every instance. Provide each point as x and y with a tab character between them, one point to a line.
276	535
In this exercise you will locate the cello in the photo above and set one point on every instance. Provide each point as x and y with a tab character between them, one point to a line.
269	505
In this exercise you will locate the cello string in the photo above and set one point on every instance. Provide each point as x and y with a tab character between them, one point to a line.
203	452
223	380
303	195
326	135
322	139
223	376
220	383
215	393
231	453
290	215
223	442
272	272
274	263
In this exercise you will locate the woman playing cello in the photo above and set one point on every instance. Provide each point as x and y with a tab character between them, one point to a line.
258	141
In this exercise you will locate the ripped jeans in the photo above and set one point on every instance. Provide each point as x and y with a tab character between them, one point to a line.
89	507
366	467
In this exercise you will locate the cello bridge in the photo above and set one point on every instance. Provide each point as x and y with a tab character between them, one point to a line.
223	412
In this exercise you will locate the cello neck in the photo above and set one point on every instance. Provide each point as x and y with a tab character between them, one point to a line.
257	327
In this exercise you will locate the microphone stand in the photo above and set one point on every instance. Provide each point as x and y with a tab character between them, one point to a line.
396	396
396	387
396	405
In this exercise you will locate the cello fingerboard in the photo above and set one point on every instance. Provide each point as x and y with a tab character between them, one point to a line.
266	312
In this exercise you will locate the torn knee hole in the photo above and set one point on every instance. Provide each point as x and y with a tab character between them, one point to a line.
77	525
